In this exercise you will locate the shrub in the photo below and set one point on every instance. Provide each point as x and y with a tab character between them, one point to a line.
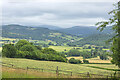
85	61
103	56
9	51
74	61
73	52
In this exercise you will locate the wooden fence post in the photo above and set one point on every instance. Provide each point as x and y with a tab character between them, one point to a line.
12	66
26	69
88	74
42	70
115	74
111	75
71	73
57	72
107	77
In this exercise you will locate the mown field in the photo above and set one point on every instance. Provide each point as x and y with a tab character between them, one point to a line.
66	48
92	60
75	68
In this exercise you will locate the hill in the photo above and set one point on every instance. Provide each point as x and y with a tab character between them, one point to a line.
60	37
95	39
85	30
36	33
51	27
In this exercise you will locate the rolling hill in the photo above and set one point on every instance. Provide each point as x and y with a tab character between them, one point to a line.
69	36
85	30
36	33
51	27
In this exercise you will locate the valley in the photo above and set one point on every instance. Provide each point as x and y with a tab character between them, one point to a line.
91	48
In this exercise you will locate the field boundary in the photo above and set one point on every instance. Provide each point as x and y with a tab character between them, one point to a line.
59	72
104	68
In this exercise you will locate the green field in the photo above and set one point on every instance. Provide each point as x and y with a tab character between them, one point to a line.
75	68
20	73
62	48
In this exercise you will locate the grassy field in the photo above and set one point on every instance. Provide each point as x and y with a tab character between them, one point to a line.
75	68
62	48
92	60
20	73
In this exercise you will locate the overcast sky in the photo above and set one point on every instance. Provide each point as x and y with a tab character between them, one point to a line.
62	13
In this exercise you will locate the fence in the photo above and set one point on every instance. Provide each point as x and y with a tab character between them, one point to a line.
69	73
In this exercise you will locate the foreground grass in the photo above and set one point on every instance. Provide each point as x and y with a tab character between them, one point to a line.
20	73
75	68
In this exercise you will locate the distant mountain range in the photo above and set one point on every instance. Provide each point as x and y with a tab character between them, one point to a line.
85	30
70	36
51	27
35	33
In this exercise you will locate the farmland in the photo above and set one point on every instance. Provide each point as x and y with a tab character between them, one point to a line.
77	68
20	73
92	60
96	66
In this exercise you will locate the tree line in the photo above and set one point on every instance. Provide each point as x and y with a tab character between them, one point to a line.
25	49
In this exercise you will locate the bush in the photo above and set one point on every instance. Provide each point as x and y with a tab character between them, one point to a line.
74	61
103	56
73	52
86	54
9	51
85	61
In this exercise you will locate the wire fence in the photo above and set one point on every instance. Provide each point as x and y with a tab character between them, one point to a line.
63	72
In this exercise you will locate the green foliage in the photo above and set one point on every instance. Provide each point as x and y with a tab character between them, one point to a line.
116	51
85	61
73	52
9	50
30	51
86	54
103	56
39	47
28	48
49	51
20	43
114	21
74	61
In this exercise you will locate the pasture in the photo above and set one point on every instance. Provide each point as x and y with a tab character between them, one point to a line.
20	73
67	48
76	68
92	60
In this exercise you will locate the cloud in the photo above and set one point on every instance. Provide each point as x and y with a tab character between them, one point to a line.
57	12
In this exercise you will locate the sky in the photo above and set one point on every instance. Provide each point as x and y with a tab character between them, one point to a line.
62	13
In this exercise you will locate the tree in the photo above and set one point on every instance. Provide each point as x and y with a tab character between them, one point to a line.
28	48
9	50
114	21
86	54
73	52
74	61
116	51
39	47
103	56
21	43
85	61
